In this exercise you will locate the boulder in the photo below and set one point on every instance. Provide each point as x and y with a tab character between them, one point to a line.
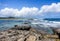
31	38
22	27
58	32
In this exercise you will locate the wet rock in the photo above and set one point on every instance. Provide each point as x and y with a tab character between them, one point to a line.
58	32
24	27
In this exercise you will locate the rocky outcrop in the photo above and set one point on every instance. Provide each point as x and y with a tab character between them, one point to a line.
23	34
22	27
56	31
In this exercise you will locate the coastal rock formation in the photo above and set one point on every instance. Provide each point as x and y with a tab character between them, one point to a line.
24	33
56	31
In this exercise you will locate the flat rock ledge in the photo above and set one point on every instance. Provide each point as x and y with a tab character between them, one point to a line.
23	34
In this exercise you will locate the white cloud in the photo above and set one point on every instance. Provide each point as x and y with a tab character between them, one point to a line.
25	11
50	8
30	12
8	12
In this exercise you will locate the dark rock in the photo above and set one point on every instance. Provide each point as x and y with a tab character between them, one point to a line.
24	27
56	31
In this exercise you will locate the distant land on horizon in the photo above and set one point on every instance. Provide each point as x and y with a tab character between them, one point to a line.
49	19
17	18
22	17
9	18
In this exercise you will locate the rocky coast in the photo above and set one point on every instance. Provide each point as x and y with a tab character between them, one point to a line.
26	33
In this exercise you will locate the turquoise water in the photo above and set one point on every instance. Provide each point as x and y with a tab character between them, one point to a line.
7	24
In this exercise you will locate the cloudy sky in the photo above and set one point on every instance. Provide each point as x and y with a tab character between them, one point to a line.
30	8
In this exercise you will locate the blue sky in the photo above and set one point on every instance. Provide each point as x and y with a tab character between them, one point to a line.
25	3
29	6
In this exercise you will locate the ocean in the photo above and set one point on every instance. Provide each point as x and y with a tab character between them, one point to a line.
38	24
53	19
7	24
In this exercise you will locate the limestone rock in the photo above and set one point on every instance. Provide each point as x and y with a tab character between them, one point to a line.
21	39
31	38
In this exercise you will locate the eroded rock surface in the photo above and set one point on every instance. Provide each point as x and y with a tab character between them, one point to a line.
31	38
25	34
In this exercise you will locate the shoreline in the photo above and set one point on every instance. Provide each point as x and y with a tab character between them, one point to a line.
26	33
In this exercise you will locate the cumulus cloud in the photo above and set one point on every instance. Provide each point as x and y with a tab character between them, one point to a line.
24	12
30	12
54	7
